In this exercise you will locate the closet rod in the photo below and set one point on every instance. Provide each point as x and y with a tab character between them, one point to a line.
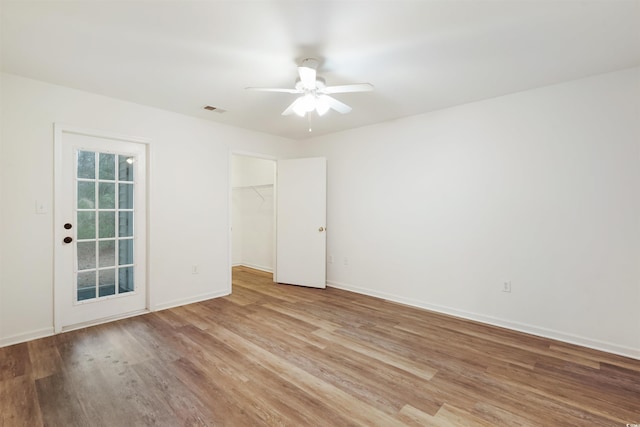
240	187
254	188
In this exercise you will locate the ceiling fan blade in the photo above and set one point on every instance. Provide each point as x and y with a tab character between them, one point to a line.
340	107
273	89
290	108
307	77
307	73
357	87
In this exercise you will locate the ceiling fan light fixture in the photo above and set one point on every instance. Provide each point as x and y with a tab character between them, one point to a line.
305	104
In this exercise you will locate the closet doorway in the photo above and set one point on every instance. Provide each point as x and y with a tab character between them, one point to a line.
253	213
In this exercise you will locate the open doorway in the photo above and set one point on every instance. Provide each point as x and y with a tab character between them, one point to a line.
252	214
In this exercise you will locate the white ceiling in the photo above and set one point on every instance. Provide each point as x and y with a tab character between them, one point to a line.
420	55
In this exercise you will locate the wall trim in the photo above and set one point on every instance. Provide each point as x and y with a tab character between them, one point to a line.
191	300
495	321
104	320
255	267
26	336
50	331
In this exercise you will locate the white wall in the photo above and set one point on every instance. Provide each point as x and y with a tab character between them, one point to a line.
189	190
250	171
253	212
540	188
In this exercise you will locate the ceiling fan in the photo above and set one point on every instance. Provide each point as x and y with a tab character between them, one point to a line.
314	93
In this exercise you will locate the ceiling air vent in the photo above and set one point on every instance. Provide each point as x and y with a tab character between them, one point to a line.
212	108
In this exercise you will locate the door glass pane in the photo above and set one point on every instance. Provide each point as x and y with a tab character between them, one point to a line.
86	285
86	225
107	224
86	164
125	280
125	249
107	282
125	168
125	196
107	199
86	255
125	226
107	251
107	166
86	194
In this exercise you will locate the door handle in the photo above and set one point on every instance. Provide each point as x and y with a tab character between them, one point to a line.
67	239
321	229
68	226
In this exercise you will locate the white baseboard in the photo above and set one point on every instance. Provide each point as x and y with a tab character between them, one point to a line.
191	300
46	332
503	323
103	320
26	336
256	267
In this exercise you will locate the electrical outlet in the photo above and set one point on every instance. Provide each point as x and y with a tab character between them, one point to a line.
345	261
330	260
506	286
195	269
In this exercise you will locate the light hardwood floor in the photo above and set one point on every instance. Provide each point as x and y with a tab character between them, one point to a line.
284	355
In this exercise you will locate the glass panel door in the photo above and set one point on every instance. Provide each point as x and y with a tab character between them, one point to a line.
100	228
105	218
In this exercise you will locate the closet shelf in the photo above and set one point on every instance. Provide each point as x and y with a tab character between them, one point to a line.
254	188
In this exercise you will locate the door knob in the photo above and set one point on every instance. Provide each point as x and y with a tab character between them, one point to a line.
321	229
67	239
68	226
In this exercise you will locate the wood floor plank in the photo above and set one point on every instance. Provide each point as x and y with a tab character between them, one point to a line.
344	403
302	315
273	354
447	416
155	336
277	399
19	404
412	367
59	401
44	357
165	388
341	373
223	405
585	397
520	397
14	361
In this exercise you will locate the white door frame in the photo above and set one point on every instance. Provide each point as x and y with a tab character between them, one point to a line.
230	206
59	129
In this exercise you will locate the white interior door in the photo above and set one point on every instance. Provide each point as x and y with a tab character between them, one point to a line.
301	221
100	228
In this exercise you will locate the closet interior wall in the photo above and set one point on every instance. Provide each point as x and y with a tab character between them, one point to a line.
253	212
